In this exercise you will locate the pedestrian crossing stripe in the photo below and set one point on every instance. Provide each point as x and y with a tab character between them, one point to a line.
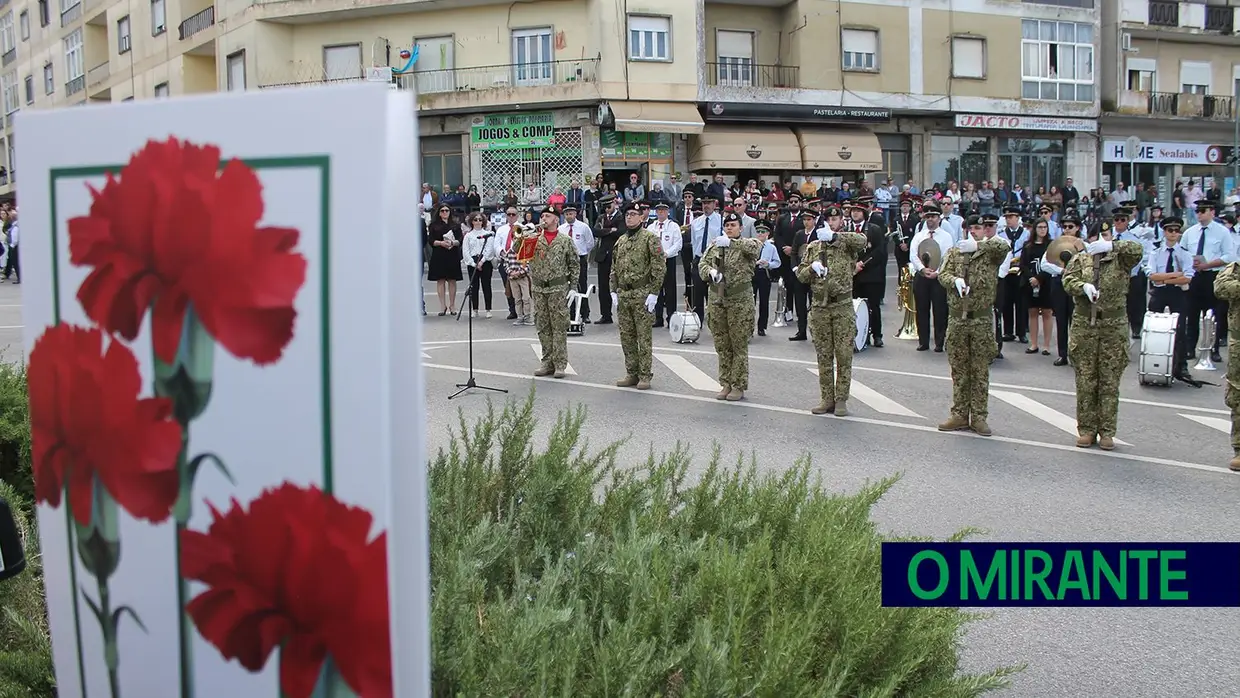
1055	418
876	401
568	368
695	377
1223	425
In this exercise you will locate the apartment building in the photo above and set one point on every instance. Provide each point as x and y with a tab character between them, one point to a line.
541	94
1173	85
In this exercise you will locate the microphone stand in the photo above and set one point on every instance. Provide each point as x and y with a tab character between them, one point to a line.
471	382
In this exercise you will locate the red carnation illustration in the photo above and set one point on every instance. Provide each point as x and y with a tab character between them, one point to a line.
269	573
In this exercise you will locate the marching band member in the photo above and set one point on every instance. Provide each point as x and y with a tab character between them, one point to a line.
1227	288
1047	213
971	271
670	241
606	230
802	238
1170	270
905	226
1014	310
706	228
1211	245
503	242
1098	279
827	269
768	262
637	274
870	276
787	228
1138	284
1061	302
583	240
928	294
950	220
729	262
552	269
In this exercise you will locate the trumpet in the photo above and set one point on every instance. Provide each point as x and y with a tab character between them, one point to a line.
906	302
781	303
1205	342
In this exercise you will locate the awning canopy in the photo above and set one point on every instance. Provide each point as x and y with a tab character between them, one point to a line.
735	148
657	117
840	149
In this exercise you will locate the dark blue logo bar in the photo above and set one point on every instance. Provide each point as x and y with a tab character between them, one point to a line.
1061	574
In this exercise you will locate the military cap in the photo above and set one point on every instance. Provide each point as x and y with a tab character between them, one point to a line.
697	208
1070	219
607	198
687	192
715	199
732	218
834	210
644	204
813	202
794	195
1045	208
973	221
1229	218
864	201
1122	212
1157	207
1128	203
1011	210
906	202
1173	222
989	219
930	208
661	204
761	229
1204	205
632	206
808	214
772	205
568	207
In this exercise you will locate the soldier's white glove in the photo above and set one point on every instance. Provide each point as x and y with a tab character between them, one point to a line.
1091	292
651	301
826	234
723	241
615	300
967	244
569	296
1099	247
818	268
961	288
715	275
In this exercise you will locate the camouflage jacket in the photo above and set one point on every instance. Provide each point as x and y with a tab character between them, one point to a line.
1227	288
638	263
737	262
1111	272
840	258
980	271
555	266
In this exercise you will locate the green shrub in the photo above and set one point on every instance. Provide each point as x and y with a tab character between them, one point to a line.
15	431
739	584
25	644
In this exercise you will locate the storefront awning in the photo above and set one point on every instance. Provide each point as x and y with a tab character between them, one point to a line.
840	149
657	117
733	148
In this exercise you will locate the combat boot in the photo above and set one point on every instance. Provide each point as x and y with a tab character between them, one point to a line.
1235	464
955	423
1085	440
841	408
544	371
980	427
559	373
1106	443
643	384
736	394
627	382
824	407
723	392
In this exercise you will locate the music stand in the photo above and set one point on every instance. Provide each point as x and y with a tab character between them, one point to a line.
471	382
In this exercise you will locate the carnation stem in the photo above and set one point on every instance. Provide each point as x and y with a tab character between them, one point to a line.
111	656
182	511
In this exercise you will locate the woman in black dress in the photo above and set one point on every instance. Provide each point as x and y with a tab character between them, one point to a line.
1036	285
445	266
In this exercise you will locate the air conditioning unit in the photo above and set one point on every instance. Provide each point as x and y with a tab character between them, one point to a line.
1125	43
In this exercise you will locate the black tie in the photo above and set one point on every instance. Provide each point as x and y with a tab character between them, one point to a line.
1170	260
1201	244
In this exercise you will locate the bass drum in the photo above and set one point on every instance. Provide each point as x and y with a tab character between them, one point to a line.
685	327
862	309
1157	349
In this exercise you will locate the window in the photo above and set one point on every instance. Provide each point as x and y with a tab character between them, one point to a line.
24	21
45	16
73	55
1032	162
161	90
436	60
49	82
236	72
342	62
734	54
29	89
1057	61
650	38
122	35
8	85
1142	74
1085	4
968	57
159	22
1195	77
8	36
960	159
860	49
532	56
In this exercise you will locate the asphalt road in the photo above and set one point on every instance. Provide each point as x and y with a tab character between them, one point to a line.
10	321
1168	481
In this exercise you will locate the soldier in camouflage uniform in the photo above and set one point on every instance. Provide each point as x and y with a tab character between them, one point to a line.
971	277
827	268
728	266
1227	288
552	272
1098	279
637	275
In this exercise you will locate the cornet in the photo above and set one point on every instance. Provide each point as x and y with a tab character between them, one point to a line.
781	302
1205	342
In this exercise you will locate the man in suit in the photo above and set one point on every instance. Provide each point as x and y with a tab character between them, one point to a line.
786	228
905	224
606	231
870	276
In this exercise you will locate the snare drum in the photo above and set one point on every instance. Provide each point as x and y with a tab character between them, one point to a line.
862	309
1157	349
685	327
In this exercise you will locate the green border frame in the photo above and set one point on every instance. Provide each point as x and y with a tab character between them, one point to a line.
320	163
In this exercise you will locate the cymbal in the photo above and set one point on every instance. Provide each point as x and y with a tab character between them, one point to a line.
929	250
1063	248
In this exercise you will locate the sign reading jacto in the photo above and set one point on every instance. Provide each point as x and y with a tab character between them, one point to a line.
513	131
1061	574
1008	122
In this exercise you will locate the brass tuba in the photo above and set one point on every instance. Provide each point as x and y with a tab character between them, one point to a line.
1205	342
906	302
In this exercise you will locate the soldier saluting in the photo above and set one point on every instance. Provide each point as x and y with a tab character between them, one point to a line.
971	276
728	266
827	270
637	273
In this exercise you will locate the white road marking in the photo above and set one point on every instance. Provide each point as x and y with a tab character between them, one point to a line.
1223	425
1055	418
568	368
687	372
876	401
1090	453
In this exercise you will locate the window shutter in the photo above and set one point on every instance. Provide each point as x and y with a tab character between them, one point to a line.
732	44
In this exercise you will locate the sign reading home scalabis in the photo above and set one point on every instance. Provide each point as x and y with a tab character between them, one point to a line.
735	111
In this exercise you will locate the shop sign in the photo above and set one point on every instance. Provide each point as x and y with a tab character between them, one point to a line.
798	113
513	131
1013	122
634	145
612	144
660	146
1168	153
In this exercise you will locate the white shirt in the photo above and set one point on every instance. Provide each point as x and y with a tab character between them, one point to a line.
1218	245
583	237
479	242
941	236
669	236
1158	263
705	228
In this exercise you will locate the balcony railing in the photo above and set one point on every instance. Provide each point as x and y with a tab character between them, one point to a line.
498	77
197	22
1220	19
9	57
740	73
67	17
1164	13
98	74
75	85
1218	107
1184	105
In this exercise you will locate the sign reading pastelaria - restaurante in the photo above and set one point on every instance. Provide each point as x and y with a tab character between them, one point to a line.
220	333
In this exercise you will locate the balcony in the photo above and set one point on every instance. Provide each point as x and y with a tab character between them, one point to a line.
1164	13
1173	105
75	85
1220	19
749	75
98	74
67	17
197	22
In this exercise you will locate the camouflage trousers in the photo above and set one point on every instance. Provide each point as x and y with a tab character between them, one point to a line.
1099	354
833	330
635	334
1232	397
970	347
551	322
731	325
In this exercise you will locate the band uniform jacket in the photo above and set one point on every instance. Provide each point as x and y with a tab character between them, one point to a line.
983	276
1112	282
874	256
907	227
841	258
786	230
606	232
